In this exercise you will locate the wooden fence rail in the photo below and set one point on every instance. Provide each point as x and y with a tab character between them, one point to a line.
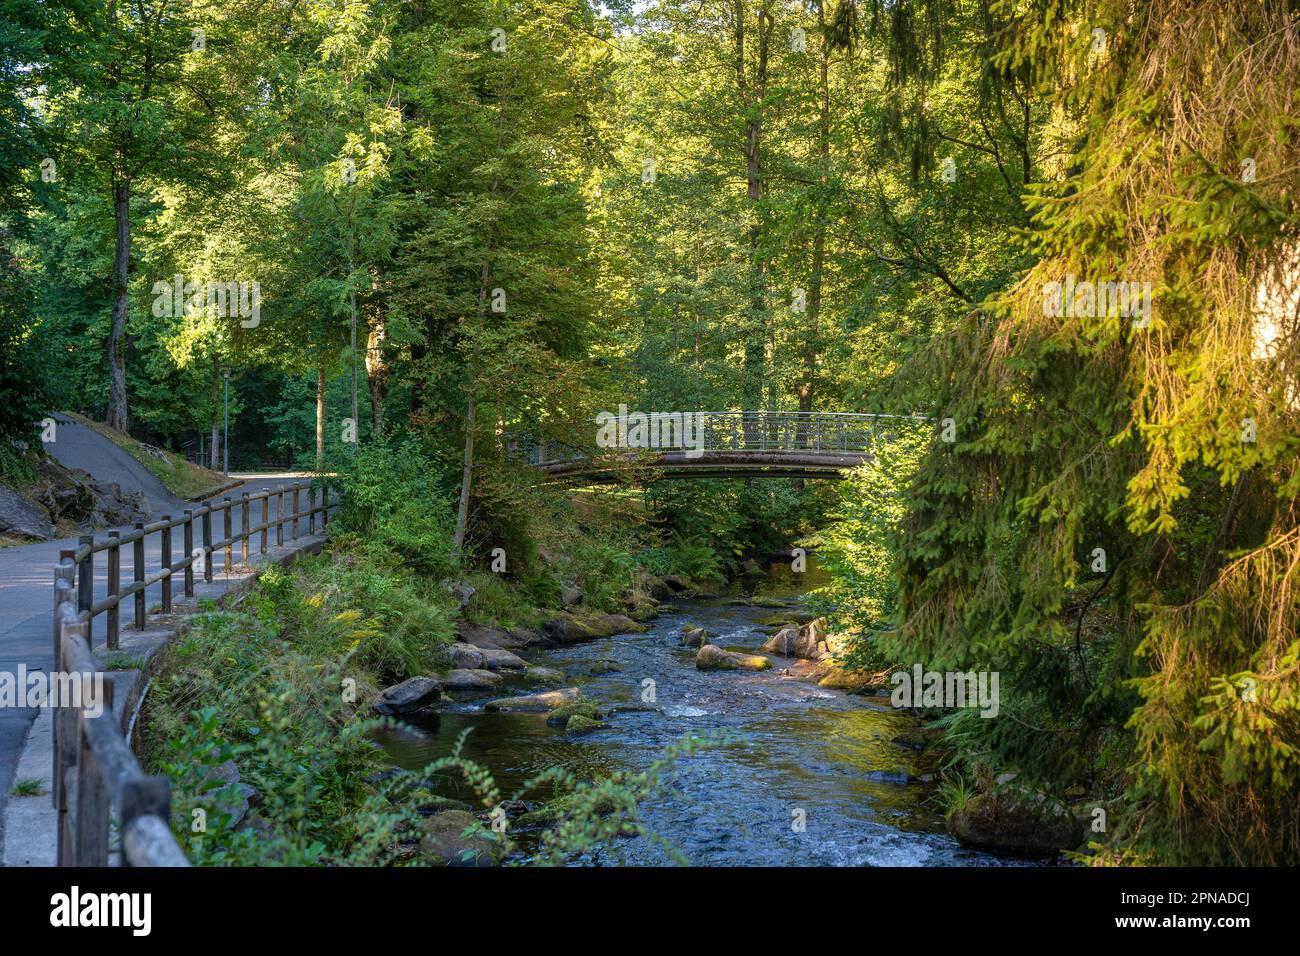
98	784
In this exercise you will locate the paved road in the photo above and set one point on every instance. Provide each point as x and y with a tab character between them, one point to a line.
27	571
79	446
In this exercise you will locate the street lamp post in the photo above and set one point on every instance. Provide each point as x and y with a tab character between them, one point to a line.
225	437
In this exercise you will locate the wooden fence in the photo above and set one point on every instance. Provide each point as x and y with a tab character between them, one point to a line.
97	780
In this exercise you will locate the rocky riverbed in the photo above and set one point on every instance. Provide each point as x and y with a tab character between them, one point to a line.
794	772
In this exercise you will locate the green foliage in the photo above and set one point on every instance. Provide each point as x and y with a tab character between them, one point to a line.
394	503
691	557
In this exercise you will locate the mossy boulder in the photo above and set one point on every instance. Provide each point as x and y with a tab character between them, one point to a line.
579	707
710	657
534	703
855	682
579	724
553	811
457	838
693	636
573	627
1016	822
543	675
600	667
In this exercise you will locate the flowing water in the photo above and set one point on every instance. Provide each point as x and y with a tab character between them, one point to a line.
778	746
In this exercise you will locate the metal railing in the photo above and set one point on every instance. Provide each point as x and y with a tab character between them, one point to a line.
96	777
758	431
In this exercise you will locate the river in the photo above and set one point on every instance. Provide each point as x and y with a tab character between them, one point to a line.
783	751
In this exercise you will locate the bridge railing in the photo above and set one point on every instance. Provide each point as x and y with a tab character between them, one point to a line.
96	777
830	432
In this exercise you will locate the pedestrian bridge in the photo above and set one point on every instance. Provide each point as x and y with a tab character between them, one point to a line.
647	446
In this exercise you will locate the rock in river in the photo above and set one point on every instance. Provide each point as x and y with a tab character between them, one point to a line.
695	636
713	658
544	675
464	655
1017	823
502	660
409	697
457	838
571	628
471	679
535	703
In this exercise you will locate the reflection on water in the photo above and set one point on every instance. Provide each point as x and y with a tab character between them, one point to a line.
778	746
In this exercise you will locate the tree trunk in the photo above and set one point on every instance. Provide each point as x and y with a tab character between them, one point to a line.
811	344
471	413
214	452
119	415
320	418
756	338
377	368
467	471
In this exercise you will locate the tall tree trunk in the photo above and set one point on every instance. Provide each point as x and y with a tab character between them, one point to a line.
119	415
214	452
812	332
756	333
320	417
471	415
376	366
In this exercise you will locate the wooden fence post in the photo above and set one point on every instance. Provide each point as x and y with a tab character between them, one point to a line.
86	583
296	489
165	563
324	504
187	543
311	510
266	521
63	577
208	556
230	544
114	589
279	515
243	529
93	795
138	550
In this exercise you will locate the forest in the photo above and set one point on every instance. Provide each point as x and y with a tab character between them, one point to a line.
404	242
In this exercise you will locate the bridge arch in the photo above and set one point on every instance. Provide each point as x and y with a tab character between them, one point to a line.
708	444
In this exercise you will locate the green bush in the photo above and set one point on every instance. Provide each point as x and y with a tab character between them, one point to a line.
395	506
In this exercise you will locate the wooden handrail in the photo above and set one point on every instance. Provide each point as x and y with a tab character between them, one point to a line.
84	556
97	779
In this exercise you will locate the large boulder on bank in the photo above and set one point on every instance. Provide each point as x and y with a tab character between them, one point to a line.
464	656
482	636
23	518
457	838
502	660
710	657
409	697
1016	823
573	627
534	703
471	679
